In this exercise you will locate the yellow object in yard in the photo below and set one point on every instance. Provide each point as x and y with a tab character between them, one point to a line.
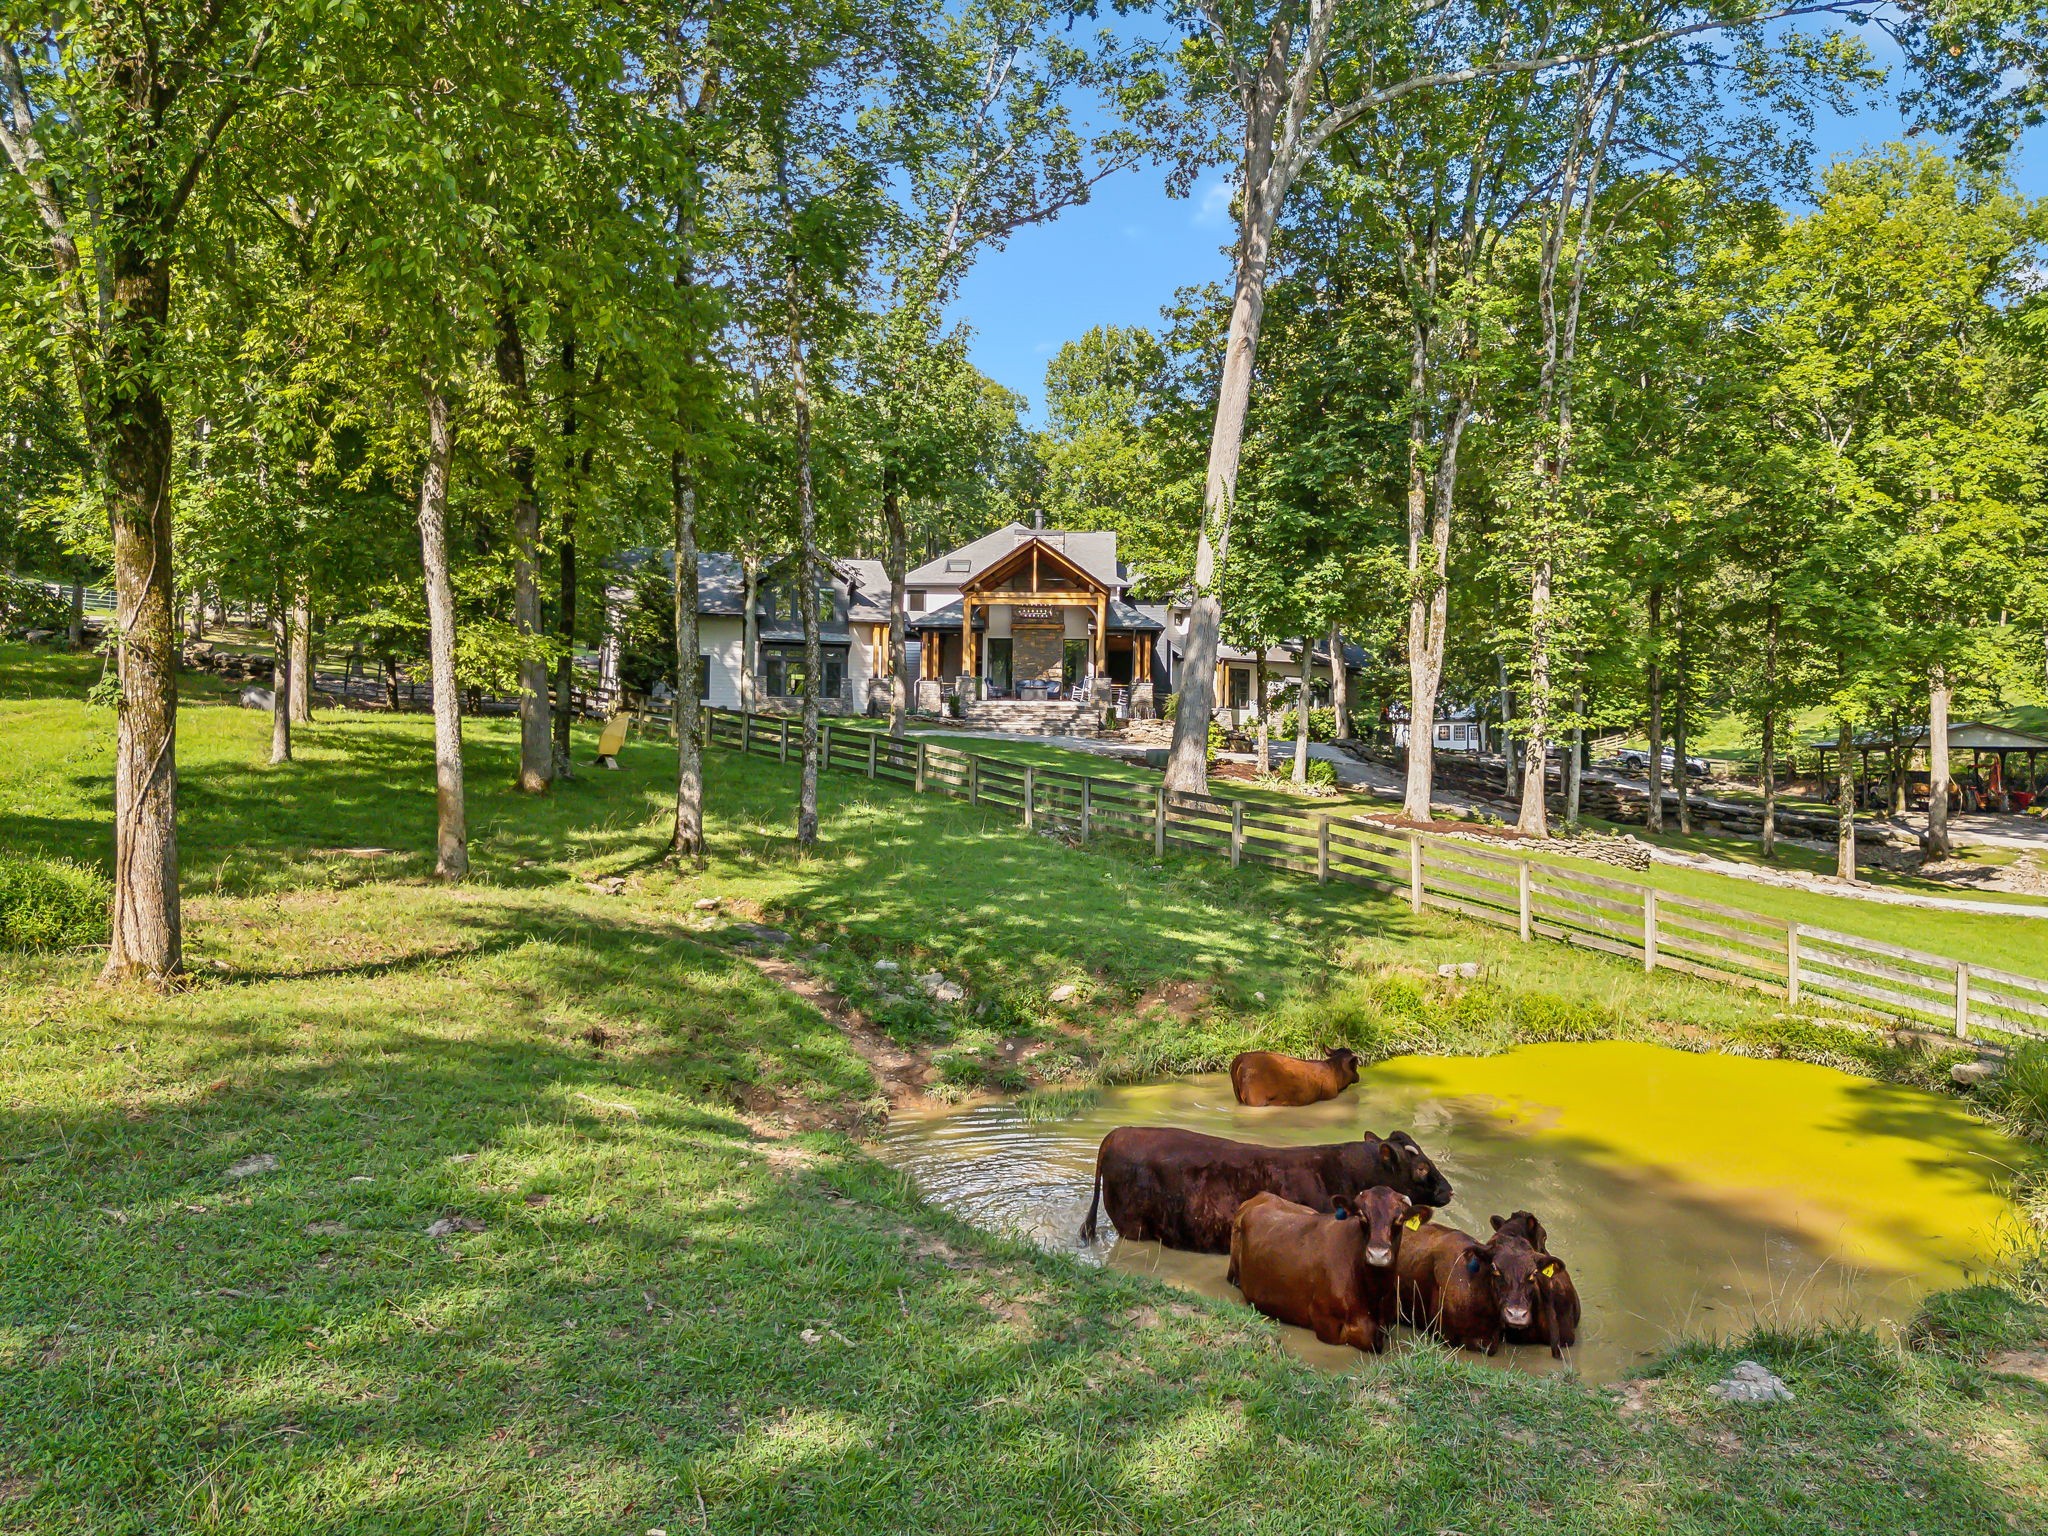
614	737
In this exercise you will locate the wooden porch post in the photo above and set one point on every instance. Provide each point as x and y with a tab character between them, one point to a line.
1101	634
967	666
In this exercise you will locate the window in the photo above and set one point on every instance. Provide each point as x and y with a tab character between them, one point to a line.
782	671
703	677
1238	687
1443	733
917	601
959	565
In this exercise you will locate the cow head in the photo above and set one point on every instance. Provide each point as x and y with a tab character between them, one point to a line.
1523	1224
1344	1061
1383	1216
1511	1265
1406	1167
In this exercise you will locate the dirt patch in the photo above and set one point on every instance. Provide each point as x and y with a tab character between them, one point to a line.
1182	999
901	1073
2029	1363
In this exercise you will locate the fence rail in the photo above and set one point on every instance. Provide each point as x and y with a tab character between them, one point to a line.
1657	929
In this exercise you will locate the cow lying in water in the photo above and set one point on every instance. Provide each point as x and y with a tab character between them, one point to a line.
1333	1275
1182	1188
1468	1293
1557	1299
1261	1078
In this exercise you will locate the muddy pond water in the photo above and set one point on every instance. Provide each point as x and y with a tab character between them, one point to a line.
1691	1194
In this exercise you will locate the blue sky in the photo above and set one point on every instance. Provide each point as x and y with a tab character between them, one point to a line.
1121	257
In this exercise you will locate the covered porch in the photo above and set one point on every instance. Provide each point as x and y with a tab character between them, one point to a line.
1035	626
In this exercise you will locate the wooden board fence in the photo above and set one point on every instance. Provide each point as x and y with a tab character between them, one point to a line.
1530	897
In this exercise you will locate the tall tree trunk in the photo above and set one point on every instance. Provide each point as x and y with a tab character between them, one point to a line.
1507	740
1265	725
1428	602
280	682
1773	617
302	656
148	936
451	855
574	474
1935	843
1340	685
750	632
1845	803
195	615
1654	821
688	841
1535	814
1680	718
536	747
807	567
1302	708
1575	768
896	561
75	631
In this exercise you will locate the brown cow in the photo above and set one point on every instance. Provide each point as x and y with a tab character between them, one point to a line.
1182	1188
1467	1292
1333	1275
1557	1299
1261	1078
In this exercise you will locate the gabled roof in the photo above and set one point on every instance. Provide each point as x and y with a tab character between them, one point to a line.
1094	552
1963	736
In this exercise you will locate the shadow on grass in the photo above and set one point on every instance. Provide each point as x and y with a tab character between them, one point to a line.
666	1322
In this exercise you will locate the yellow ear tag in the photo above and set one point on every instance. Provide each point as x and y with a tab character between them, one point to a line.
1549	1270
1413	1223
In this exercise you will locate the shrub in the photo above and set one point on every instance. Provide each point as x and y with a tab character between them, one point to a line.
52	903
2022	1089
1322	725
27	605
1218	740
1321	773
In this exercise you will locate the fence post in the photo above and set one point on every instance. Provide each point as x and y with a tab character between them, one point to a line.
1962	1000
1159	822
1792	966
1650	930
1087	807
1523	914
1236	833
825	749
1323	851
785	738
746	733
1030	794
973	778
1415	873
874	741
920	765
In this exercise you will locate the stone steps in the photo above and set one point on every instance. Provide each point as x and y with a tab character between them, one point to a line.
1036	719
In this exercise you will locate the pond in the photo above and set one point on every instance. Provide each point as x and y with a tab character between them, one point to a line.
1692	1194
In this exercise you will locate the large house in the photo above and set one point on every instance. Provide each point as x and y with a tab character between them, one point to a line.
1023	626
1018	616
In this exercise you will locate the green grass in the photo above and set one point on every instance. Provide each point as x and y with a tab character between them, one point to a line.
694	1303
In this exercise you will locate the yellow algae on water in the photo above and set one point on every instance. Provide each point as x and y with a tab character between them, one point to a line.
1691	1194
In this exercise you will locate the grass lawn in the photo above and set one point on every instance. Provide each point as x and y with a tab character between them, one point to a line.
677	1295
2003	942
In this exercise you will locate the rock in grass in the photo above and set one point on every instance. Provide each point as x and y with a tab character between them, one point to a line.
887	965
249	1167
451	1224
1968	1074
940	990
706	904
760	933
1065	992
1467	970
1750	1382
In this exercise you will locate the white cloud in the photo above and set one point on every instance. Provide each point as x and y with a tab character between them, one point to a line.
1212	204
